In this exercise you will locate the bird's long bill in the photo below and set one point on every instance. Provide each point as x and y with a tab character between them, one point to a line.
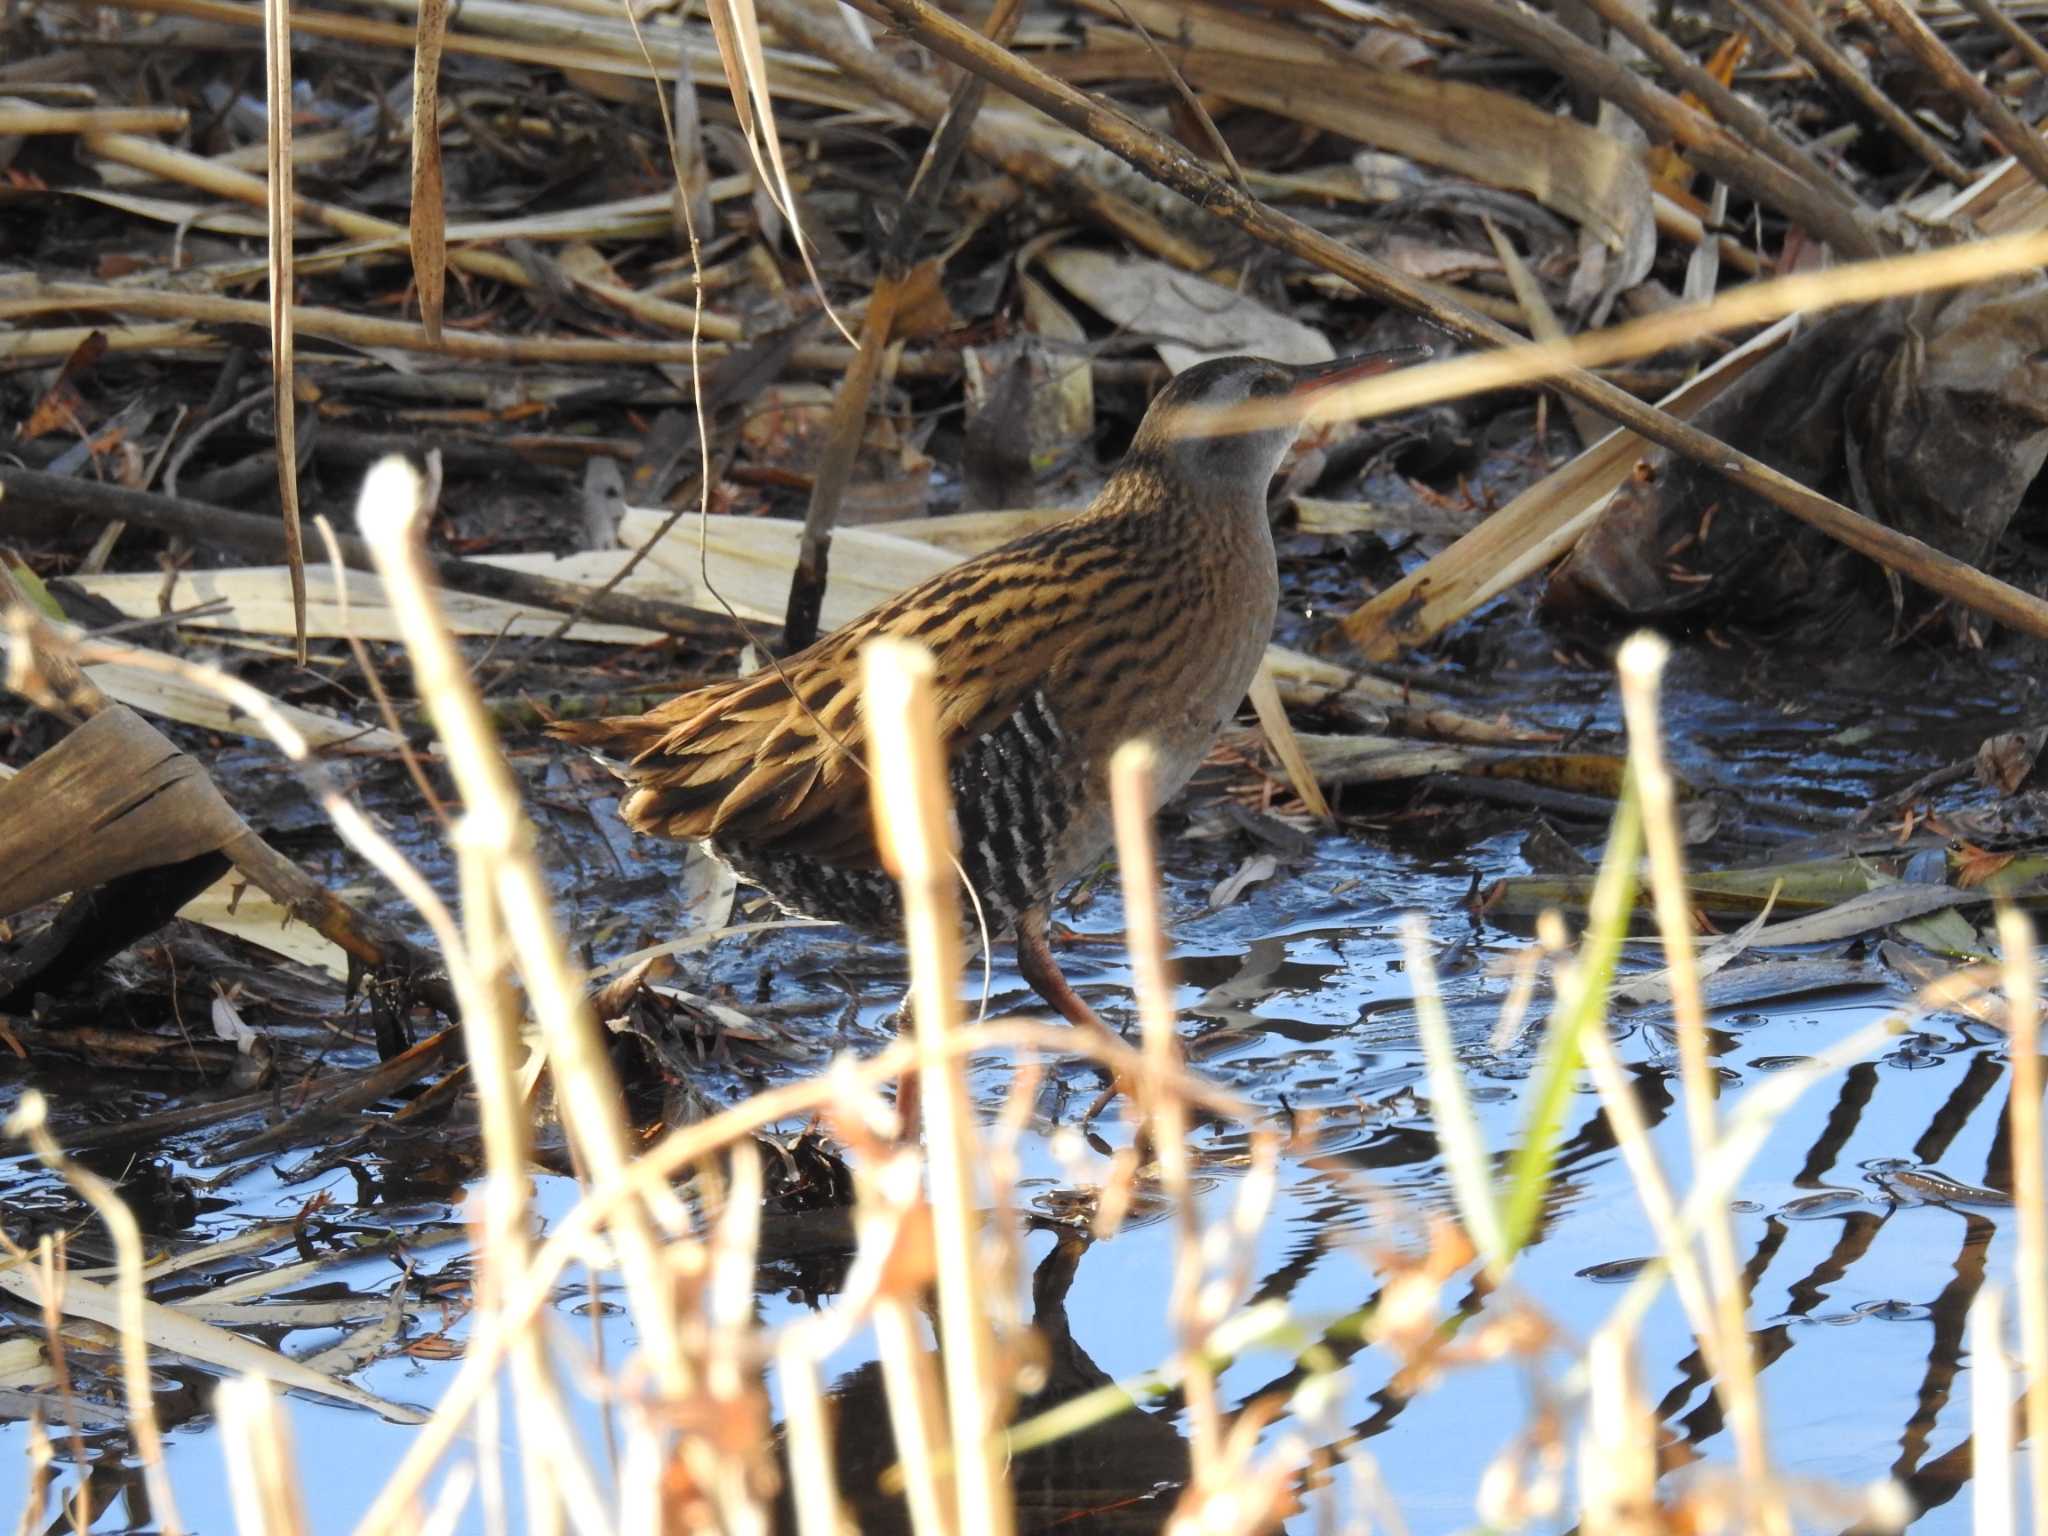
1314	378
1322	391
1315	392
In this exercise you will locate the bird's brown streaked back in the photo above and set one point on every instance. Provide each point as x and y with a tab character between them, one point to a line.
774	761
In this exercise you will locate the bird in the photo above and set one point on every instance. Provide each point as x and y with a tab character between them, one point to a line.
1145	615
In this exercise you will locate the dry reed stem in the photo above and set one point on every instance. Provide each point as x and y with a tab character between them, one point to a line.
1618	1448
389	512
277	202
490	1030
1641	667
2020	964
1272	713
41	1461
30	1121
893	1260
807	1436
1457	1133
907	772
50	1258
368	331
1757	303
1674	1245
730	1377
262	1476
1991	1417
427	232
188	169
25	118
1131	800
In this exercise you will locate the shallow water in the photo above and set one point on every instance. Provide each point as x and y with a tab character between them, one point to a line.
1867	1224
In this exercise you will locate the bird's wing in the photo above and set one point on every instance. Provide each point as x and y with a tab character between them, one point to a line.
776	761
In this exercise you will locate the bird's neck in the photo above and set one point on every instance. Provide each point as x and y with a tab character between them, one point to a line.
1146	500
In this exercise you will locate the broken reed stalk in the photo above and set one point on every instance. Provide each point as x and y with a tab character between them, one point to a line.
427	227
1641	667
490	1027
277	202
1674	1247
30	1122
1991	1417
2020	964
262	1473
1618	1447
305	898
1131	801
915	833
848	424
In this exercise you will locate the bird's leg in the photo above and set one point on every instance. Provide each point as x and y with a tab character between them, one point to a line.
1036	964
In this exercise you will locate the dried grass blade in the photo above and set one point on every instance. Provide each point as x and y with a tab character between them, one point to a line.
277	60
738	31
121	1305
1265	697
1130	784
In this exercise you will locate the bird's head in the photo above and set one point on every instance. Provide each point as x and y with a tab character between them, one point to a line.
1226	423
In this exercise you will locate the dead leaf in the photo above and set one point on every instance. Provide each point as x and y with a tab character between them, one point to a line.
2005	762
1975	865
1193	318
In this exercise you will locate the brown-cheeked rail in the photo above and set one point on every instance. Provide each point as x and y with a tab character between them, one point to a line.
1144	616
